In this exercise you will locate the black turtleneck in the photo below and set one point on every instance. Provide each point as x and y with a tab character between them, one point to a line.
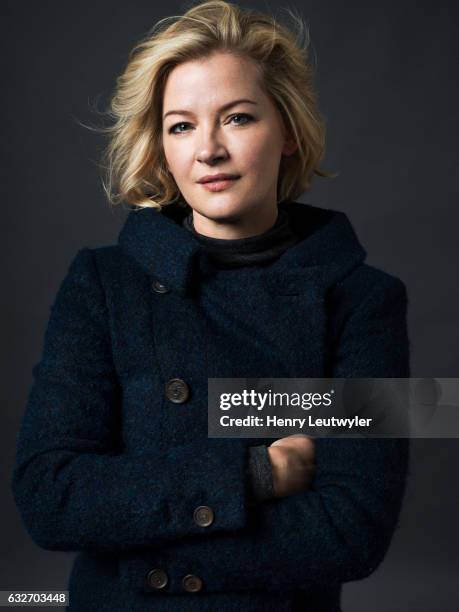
254	250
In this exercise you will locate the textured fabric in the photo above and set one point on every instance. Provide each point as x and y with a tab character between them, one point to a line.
255	250
107	465
260	473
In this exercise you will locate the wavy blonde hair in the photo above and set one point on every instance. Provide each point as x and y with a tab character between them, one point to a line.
136	169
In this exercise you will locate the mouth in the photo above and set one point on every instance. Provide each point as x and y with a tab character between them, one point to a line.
219	184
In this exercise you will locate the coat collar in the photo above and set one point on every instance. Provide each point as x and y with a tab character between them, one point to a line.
328	249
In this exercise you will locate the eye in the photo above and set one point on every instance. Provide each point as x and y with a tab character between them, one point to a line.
172	128
248	117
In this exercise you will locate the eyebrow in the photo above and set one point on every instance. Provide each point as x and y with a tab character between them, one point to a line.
222	108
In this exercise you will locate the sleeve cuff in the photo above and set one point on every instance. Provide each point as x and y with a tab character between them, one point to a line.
260	474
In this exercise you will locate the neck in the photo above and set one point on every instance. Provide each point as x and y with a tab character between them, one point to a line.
253	250
236	228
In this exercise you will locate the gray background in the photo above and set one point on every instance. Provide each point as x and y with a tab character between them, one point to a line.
387	77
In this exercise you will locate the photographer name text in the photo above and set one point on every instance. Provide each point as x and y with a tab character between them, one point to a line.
310	421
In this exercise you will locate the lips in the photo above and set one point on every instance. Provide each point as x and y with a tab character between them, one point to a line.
212	178
219	185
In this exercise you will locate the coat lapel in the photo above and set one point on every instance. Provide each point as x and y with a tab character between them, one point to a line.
294	305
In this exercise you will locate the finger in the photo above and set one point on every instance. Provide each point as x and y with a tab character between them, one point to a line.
283	440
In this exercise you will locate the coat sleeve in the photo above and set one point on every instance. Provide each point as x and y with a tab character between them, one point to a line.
340	529
72	484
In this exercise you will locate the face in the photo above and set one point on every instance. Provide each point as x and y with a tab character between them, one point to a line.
206	132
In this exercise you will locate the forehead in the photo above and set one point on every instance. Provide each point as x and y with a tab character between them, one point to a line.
212	80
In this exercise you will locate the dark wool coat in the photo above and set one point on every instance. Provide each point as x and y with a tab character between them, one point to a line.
113	460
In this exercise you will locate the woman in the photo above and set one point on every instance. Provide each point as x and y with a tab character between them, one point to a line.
212	276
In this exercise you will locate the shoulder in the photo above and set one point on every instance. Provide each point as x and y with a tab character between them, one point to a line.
89	273
365	283
103	264
107	258
366	296
95	259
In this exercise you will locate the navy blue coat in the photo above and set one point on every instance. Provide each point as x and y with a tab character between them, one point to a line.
110	466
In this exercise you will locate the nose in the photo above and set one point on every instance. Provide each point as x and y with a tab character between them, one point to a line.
211	147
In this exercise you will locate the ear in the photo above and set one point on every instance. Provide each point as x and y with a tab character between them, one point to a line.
290	146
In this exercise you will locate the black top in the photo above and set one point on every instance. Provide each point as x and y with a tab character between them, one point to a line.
254	250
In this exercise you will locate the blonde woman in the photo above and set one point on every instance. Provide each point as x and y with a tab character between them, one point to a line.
218	272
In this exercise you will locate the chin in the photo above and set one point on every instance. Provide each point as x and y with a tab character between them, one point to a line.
221	208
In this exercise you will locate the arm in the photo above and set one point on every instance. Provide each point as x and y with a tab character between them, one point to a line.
341	528
73	486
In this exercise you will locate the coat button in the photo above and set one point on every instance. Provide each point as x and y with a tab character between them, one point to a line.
159	287
177	390
203	516
157	578
192	583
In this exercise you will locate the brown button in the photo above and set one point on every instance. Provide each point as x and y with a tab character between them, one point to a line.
203	516
159	287
177	390
157	578
192	583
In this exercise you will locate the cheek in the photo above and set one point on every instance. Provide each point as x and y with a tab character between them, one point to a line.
175	159
262	160
261	151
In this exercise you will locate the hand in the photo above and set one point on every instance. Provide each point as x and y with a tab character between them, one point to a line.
292	459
